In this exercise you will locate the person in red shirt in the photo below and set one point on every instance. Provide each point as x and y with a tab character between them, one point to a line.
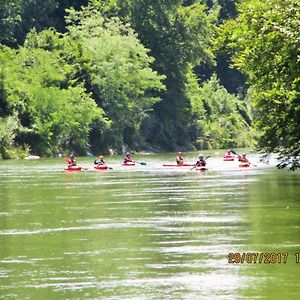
127	158
71	161
242	158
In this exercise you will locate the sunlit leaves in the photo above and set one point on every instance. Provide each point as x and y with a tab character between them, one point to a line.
122	78
223	119
265	43
57	114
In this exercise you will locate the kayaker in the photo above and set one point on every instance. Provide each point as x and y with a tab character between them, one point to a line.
99	161
242	158
228	154
71	161
127	158
201	161
179	159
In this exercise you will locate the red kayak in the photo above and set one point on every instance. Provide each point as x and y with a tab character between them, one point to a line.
176	165
244	165
101	167
128	164
73	168
228	158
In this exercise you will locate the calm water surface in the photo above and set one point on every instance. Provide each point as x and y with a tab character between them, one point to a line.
148	232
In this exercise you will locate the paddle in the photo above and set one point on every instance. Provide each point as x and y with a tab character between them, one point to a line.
141	163
208	156
234	152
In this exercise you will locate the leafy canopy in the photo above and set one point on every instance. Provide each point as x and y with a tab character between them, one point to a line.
122	80
264	42
56	112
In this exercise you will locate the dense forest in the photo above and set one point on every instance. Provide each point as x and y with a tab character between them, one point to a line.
93	76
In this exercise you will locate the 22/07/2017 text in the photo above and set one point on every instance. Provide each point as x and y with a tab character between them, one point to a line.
261	258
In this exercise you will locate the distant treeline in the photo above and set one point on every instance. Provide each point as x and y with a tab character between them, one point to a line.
78	76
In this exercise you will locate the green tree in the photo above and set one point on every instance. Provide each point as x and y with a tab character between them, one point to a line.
177	35
121	79
18	17
8	130
264	43
56	111
10	16
221	118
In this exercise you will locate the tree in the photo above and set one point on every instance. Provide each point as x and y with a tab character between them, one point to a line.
10	16
264	43
177	35
8	129
18	17
221	118
121	79
40	87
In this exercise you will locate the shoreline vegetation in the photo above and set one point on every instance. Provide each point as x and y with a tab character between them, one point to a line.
91	76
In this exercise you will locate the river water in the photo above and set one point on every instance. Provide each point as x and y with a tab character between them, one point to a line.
149	232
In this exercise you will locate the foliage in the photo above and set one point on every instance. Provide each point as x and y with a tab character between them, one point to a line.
122	80
9	18
119	72
8	128
18	17
56	112
264	42
221	118
177	35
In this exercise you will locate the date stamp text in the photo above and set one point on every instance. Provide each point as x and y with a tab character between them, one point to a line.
262	258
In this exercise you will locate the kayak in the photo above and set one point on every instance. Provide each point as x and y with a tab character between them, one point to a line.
228	158
201	169
128	164
100	167
244	165
175	165
73	168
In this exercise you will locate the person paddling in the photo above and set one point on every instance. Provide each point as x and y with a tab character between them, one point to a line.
127	158
71	161
179	159
99	161
242	158
201	162
228	154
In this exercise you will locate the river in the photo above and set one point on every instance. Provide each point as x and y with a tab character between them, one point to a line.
149	232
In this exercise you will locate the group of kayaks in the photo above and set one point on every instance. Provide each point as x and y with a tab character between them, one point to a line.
78	168
101	167
132	164
228	157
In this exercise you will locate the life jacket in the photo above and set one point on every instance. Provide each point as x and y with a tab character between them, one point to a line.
71	162
201	163
127	159
179	160
99	162
243	159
